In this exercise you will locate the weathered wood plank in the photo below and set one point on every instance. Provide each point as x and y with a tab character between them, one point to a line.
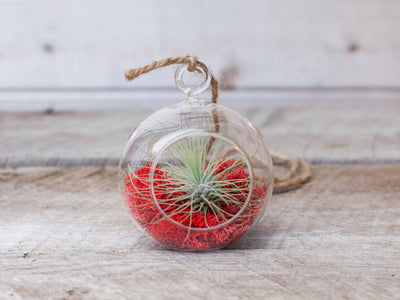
35	100
65	234
252	43
353	132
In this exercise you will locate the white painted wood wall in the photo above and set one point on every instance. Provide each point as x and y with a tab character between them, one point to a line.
61	48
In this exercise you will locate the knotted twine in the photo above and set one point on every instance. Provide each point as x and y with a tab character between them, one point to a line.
299	171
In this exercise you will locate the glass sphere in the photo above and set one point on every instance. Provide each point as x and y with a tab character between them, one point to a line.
196	175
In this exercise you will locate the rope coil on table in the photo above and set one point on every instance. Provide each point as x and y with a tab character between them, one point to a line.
299	171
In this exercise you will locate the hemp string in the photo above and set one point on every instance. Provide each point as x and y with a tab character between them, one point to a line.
299	171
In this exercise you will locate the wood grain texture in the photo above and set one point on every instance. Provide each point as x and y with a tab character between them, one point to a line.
334	132
251	43
64	233
90	99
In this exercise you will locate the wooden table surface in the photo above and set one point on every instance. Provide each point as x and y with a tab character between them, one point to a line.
64	233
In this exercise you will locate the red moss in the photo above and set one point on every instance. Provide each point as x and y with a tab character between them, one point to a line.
195	234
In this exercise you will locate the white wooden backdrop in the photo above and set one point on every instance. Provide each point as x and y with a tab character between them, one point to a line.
51	51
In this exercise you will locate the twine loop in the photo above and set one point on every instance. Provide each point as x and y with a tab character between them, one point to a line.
193	65
299	171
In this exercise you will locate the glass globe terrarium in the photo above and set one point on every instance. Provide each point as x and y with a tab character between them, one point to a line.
195	175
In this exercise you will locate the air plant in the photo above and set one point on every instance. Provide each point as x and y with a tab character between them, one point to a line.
196	184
